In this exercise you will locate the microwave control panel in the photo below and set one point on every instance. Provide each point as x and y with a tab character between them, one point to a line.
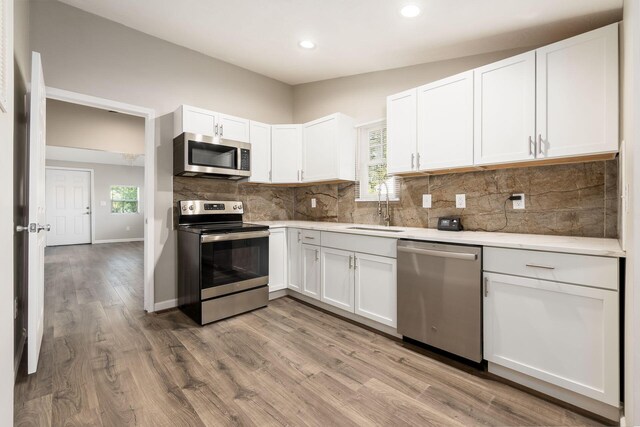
245	160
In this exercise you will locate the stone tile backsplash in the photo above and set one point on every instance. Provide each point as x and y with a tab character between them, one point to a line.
574	200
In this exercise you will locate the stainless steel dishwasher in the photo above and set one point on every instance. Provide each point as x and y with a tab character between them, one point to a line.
440	296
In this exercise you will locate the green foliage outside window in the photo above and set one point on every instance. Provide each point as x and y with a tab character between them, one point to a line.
124	199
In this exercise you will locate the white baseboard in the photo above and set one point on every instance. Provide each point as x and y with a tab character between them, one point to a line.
277	294
133	239
165	305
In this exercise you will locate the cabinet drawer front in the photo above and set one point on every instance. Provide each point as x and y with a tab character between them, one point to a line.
600	272
369	245
563	334
310	237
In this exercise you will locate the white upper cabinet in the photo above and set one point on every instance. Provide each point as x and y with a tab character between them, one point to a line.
286	153
328	149
195	120
445	123
577	95
504	110
233	128
401	132
260	152
204	122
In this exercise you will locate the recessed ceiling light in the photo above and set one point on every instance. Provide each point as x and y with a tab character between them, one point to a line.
307	44
410	11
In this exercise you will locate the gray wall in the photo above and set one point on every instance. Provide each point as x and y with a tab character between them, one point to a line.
91	55
79	126
112	226
363	96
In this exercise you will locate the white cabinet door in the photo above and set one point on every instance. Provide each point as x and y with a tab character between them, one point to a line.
319	150
195	120
277	259
445	123
401	132
337	278
260	152
233	128
375	288
286	152
577	95
294	250
311	270
504	110
565	335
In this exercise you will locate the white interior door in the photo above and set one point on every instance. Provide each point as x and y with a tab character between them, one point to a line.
68	201
37	123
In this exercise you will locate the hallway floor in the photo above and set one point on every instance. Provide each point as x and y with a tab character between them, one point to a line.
105	362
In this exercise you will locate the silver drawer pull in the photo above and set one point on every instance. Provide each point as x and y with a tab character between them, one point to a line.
546	267
310	238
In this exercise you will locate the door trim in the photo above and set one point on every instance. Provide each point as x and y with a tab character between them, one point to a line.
91	191
149	115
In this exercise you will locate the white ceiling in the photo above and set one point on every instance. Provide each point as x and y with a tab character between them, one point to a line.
352	36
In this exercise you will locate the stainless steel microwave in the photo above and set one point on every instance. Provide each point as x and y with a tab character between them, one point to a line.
208	157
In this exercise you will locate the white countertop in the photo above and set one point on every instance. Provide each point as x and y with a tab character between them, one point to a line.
539	242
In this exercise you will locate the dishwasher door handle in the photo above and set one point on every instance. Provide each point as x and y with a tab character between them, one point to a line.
441	254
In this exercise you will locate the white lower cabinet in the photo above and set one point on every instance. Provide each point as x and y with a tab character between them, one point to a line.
310	270
294	250
562	334
338	278
375	288
277	259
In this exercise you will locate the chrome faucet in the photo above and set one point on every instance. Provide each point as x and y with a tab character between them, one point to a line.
387	217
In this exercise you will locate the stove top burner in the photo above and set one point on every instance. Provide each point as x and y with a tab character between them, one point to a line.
228	227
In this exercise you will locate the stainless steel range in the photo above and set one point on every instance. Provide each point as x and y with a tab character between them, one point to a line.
223	263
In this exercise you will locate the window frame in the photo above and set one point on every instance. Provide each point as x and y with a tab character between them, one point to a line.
362	165
137	201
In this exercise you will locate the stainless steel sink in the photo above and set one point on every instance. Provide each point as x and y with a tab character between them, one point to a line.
386	230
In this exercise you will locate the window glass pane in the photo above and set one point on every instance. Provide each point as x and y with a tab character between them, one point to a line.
116	207
116	193
130	207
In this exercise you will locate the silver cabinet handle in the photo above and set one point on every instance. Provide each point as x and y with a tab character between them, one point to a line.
317	255
440	254
540	148
544	267
270	176
309	238
412	159
531	149
355	262
216	130
299	233
298	175
486	286
221	130
350	262
302	175
417	161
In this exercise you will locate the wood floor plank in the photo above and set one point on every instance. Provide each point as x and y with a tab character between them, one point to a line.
105	362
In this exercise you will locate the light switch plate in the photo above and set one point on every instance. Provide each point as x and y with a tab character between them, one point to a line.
461	201
313	202
426	200
518	204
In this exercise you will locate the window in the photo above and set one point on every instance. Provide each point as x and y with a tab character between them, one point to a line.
124	199
372	163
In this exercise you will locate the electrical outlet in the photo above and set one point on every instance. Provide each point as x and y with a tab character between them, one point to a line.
426	200
518	204
461	201
313	202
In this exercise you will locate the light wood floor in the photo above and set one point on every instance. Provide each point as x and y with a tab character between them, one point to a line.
105	362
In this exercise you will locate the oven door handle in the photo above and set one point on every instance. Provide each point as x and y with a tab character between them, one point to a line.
210	238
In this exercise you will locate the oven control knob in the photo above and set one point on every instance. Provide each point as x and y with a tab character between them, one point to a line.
184	208
191	207
235	207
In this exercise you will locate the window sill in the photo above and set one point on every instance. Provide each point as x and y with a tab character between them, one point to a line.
383	199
